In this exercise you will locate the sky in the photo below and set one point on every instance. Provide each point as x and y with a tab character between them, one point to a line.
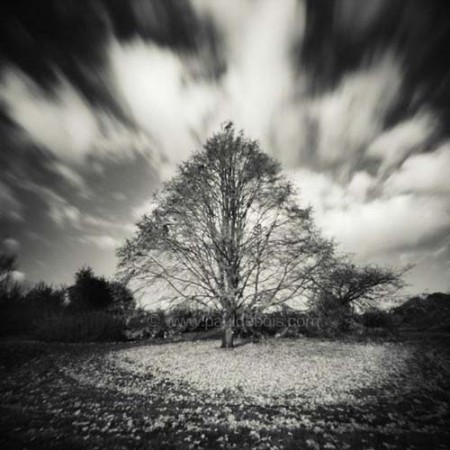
100	100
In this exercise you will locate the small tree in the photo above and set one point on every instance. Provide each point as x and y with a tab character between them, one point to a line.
122	299
348	285
227	234
89	291
44	298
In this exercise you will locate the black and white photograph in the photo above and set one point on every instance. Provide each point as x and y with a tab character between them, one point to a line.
225	224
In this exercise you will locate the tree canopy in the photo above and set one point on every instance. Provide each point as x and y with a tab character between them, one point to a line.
89	291
349	285
227	233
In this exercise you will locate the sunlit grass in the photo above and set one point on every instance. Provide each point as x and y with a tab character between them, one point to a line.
278	394
293	371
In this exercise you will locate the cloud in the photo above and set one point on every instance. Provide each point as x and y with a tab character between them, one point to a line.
351	116
409	136
66	124
18	276
71	176
62	123
162	99
355	18
361	159
10	245
10	206
371	227
104	242
386	225
426	173
260	76
361	185
145	207
60	211
338	133
178	107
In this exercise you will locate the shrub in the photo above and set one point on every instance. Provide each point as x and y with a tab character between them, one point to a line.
122	299
336	319
89	291
145	325
185	320
376	318
92	326
21	309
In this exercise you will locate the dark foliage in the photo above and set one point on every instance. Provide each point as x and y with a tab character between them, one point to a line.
89	291
93	309
122	299
427	313
86	326
20	310
376	318
346	284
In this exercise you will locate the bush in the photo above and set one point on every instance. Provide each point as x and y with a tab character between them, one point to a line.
92	326
89	292
20	310
145	325
335	318
187	320
376	318
167	324
122	299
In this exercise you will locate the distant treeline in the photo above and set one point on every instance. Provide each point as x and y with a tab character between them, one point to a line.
92	309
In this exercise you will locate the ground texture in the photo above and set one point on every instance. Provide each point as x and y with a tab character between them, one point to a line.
307	394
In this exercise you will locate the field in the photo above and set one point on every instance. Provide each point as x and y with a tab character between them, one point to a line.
306	393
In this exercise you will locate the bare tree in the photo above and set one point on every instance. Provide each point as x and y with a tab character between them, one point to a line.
226	234
348	284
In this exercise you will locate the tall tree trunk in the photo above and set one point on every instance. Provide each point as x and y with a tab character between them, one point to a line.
228	331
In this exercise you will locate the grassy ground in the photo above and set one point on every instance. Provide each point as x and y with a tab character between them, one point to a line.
279	394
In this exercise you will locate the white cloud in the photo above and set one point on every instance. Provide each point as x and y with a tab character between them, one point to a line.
10	246
71	176
18	276
260	76
424	173
396	144
154	85
334	132
352	115
63	213
179	110
385	225
369	228
361	185
104	242
63	123
145	207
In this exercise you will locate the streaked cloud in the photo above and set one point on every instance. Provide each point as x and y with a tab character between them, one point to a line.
317	83
10	246
103	242
424	173
10	206
62	123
